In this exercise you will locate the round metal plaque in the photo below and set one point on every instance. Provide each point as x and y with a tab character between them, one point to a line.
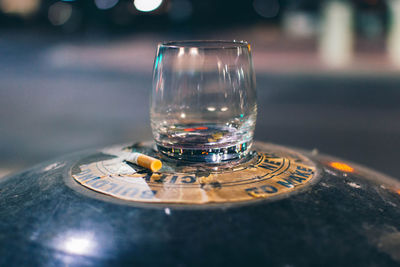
269	172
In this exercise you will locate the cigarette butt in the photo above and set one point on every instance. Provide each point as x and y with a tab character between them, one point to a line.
217	135
145	161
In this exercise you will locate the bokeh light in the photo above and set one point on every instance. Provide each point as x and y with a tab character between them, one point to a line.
19	7
266	8
59	13
147	5
123	13
105	4
180	10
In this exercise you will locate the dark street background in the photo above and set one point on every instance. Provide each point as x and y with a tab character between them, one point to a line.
68	90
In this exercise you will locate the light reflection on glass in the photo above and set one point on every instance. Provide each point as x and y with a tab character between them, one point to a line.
181	51
194	51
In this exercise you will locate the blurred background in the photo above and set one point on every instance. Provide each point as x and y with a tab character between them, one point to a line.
76	74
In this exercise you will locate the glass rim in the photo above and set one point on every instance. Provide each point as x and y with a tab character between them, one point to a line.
205	44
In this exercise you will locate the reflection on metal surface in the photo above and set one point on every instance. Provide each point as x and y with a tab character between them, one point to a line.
270	172
48	219
76	242
78	245
341	166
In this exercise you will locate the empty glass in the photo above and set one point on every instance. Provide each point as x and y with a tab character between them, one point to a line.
203	101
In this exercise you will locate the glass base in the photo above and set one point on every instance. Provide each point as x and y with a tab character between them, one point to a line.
209	155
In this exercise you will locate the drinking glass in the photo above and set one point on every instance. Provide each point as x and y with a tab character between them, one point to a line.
203	100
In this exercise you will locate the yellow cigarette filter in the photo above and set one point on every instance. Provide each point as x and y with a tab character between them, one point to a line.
145	161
